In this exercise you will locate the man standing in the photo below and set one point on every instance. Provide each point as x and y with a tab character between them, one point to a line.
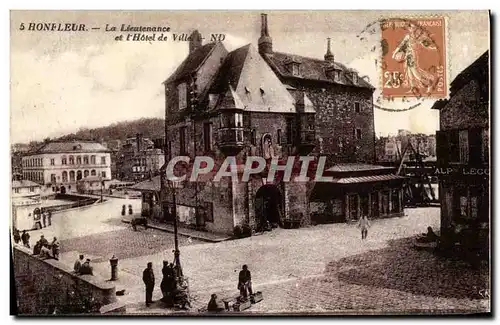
25	237
43	241
49	217
17	236
44	219
55	248
78	264
364	224
245	282
148	277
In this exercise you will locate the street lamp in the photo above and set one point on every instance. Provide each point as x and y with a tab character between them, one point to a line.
173	185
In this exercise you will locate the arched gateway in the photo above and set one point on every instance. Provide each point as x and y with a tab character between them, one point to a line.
268	206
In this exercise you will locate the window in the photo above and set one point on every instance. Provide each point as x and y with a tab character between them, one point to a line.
238	118
357	134
253	137
354	77
78	160
71	160
92	172
86	160
103	160
72	176
52	161
64	161
32	189
207	136
92	160
16	190
295	69
103	174
279	136
86	173
463	141
52	178
64	176
290	129
453	146
182	93
357	107
183	140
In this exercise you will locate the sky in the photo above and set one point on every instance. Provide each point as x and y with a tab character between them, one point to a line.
64	81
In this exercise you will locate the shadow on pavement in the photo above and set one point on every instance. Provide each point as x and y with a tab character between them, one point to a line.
401	267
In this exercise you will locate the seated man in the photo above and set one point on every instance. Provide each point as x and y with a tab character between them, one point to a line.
45	252
214	304
86	268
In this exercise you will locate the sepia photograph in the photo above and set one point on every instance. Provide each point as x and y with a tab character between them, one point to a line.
250	163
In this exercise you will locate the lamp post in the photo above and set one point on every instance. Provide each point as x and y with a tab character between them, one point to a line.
173	185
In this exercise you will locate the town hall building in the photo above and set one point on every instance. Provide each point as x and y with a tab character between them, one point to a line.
255	101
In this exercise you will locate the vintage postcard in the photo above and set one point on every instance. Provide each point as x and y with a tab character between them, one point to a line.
216	163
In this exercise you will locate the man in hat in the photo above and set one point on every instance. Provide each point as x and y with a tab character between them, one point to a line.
25	237
148	277
86	268
245	282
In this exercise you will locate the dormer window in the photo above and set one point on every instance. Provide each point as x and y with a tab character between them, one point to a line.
293	66
354	78
182	94
333	74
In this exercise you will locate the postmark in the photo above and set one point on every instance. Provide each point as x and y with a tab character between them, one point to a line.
413	62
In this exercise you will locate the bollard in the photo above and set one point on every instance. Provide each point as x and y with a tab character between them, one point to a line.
114	268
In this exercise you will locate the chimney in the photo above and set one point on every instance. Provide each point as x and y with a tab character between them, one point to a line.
138	140
329	56
195	41
265	41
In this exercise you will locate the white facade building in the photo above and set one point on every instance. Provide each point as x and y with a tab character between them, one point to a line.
25	199
59	165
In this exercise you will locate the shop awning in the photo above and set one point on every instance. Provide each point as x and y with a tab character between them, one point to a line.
367	179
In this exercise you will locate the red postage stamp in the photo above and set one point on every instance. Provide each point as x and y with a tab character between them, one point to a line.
414	57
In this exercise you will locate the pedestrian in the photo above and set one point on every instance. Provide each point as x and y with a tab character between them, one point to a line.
130	209
214	304
78	264
49	217
124	210
43	241
37	248
17	236
148	277
44	219
364	224
86	268
55	248
166	286
245	282
25	237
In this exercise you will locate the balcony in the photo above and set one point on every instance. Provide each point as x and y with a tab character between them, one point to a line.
231	139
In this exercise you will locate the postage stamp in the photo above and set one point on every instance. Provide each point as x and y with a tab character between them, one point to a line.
414	57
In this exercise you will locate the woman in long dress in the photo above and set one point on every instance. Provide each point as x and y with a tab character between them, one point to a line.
407	52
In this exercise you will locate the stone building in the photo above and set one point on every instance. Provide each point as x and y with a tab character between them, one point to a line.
463	156
258	102
138	158
59	165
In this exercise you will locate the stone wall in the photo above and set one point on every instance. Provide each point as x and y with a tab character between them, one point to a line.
43	286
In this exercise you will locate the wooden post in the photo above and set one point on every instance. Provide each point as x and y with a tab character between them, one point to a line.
390	201
358	206
400	197
369	205
347	212
379	197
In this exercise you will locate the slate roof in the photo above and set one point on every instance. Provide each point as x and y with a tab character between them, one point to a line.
24	183
192	62
312	69
246	81
70	146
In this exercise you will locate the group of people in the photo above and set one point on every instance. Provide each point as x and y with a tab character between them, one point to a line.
44	249
81	268
24	237
168	284
46	219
